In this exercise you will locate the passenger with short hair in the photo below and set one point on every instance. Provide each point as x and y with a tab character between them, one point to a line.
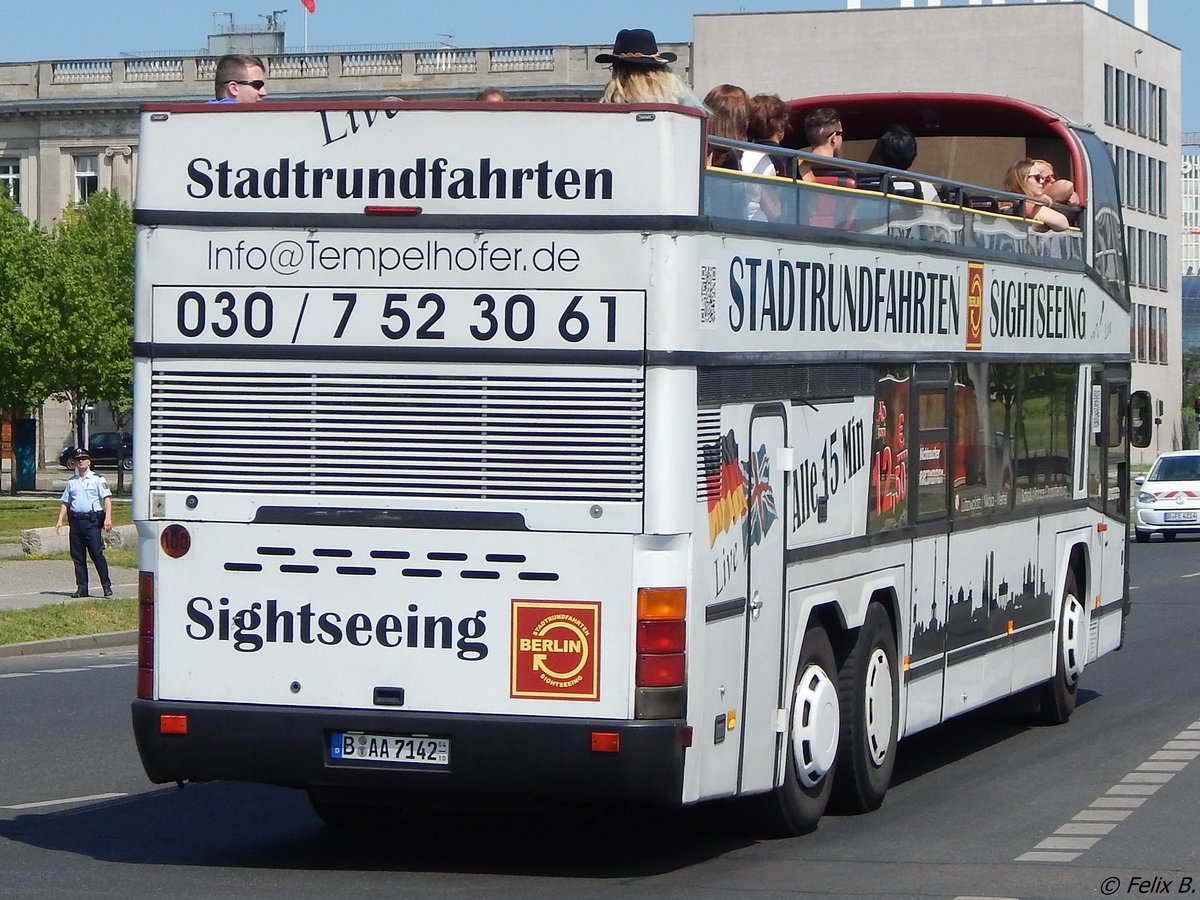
640	72
239	78
823	129
491	95
768	125
1030	177
896	148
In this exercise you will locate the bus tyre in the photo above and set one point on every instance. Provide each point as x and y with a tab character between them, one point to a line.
1059	693
869	699
796	806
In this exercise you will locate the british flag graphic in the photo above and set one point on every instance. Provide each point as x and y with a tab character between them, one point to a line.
761	499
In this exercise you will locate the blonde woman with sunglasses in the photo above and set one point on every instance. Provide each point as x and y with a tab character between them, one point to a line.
1035	178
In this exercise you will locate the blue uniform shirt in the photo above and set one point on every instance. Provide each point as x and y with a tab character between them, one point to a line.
85	493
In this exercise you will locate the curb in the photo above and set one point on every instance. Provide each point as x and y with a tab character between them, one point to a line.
62	645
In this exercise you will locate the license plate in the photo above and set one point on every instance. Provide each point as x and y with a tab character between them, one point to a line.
1179	517
409	749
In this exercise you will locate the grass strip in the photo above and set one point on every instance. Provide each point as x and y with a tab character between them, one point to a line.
78	617
18	515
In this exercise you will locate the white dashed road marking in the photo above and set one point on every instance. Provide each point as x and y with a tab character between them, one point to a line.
1106	812
64	801
124	665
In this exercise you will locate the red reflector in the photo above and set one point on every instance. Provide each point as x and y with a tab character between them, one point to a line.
146	586
392	210
145	683
685	736
606	742
661	637
172	724
660	670
146	620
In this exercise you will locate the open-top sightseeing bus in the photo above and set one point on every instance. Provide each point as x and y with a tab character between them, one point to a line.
490	449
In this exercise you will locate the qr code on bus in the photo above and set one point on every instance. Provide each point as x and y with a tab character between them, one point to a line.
708	295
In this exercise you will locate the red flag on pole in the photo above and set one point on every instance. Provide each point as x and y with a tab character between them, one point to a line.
310	5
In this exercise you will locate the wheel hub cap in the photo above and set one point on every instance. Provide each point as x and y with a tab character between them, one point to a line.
815	722
878	706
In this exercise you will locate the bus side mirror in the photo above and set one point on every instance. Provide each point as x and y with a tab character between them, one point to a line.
1141	418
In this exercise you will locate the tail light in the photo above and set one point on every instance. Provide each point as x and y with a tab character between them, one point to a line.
661	667
145	672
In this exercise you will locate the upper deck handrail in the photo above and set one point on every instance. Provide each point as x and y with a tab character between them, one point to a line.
954	219
852	165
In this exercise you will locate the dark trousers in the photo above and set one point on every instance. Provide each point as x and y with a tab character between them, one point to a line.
87	539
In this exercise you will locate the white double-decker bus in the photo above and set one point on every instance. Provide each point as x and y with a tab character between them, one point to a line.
490	449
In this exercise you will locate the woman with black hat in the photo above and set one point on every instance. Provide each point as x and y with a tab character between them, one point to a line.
640	73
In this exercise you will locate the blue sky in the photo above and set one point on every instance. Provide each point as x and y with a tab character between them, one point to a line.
108	28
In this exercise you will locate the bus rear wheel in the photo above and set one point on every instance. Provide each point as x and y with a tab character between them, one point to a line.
796	806
1060	692
869	698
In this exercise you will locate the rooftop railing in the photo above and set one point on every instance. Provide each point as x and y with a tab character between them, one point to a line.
862	198
134	78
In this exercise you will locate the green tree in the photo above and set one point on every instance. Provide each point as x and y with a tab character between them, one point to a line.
90	294
24	319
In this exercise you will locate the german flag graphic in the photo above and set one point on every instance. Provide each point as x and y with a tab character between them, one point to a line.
727	490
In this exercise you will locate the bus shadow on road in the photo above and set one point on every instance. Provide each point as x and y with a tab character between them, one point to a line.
971	733
242	826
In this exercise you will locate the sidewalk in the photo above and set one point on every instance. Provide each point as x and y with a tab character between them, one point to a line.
42	582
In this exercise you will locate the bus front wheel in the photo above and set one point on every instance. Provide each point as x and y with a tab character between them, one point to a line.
1060	692
869	697
796	806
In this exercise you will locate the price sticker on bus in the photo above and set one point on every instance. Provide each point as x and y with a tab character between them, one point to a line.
408	317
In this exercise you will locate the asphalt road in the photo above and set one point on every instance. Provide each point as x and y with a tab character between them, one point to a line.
987	806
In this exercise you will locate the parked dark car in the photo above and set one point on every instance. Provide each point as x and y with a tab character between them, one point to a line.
103	447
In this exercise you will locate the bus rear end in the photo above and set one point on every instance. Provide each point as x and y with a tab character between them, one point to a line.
395	481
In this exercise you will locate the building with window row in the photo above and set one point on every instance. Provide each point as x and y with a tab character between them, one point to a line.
1072	57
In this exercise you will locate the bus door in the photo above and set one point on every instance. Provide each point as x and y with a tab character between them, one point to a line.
931	474
1112	536
764	534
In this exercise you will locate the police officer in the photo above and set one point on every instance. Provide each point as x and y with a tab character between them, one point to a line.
87	504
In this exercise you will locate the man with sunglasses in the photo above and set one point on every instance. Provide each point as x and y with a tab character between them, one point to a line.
240	79
823	129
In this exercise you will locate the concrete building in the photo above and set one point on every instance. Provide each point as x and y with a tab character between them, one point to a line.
1072	57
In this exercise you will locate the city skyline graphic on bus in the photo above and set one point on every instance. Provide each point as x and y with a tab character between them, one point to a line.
966	618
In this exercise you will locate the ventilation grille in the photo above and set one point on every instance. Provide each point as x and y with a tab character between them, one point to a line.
708	455
461	436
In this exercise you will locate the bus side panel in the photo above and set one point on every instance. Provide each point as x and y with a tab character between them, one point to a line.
720	602
1000	593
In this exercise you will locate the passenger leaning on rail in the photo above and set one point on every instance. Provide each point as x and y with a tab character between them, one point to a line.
1060	190
640	73
1030	177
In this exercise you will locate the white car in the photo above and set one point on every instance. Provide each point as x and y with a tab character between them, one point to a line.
1168	498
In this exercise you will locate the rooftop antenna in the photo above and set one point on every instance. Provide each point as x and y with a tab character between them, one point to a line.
217	24
449	38
272	18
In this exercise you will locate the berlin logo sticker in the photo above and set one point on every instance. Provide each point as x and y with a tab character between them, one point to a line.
556	650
